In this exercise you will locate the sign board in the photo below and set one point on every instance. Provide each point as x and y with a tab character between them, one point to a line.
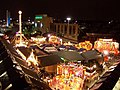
38	17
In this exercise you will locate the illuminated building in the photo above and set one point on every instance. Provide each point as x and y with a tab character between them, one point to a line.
62	28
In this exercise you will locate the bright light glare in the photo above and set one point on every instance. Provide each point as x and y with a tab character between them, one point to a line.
1	34
105	52
20	12
49	35
33	22
68	18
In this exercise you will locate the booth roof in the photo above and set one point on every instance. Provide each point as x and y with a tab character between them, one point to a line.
49	60
69	55
92	54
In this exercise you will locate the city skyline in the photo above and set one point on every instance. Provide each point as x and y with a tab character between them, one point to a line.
79	9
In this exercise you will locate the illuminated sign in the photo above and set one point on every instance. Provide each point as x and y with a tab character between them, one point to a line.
38	17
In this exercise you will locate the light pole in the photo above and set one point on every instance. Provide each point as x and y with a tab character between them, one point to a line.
20	26
68	18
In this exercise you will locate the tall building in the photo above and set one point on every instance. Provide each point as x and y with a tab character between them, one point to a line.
43	22
8	18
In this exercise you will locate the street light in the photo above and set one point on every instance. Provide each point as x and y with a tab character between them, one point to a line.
68	18
20	12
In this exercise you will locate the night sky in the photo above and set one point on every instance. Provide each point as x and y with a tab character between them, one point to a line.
77	9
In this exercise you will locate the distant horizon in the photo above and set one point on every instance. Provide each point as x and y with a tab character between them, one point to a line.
78	9
56	17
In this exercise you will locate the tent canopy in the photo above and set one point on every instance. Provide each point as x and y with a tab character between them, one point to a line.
49	60
93	54
69	55
81	49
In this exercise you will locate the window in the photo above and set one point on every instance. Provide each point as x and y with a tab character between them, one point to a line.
65	29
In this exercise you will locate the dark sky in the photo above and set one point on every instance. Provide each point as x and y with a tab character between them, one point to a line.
78	9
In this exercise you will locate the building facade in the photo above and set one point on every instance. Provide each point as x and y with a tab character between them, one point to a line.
43	22
46	24
68	31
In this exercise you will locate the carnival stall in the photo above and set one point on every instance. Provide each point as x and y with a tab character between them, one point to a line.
38	40
55	40
107	46
86	45
72	74
63	71
69	77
